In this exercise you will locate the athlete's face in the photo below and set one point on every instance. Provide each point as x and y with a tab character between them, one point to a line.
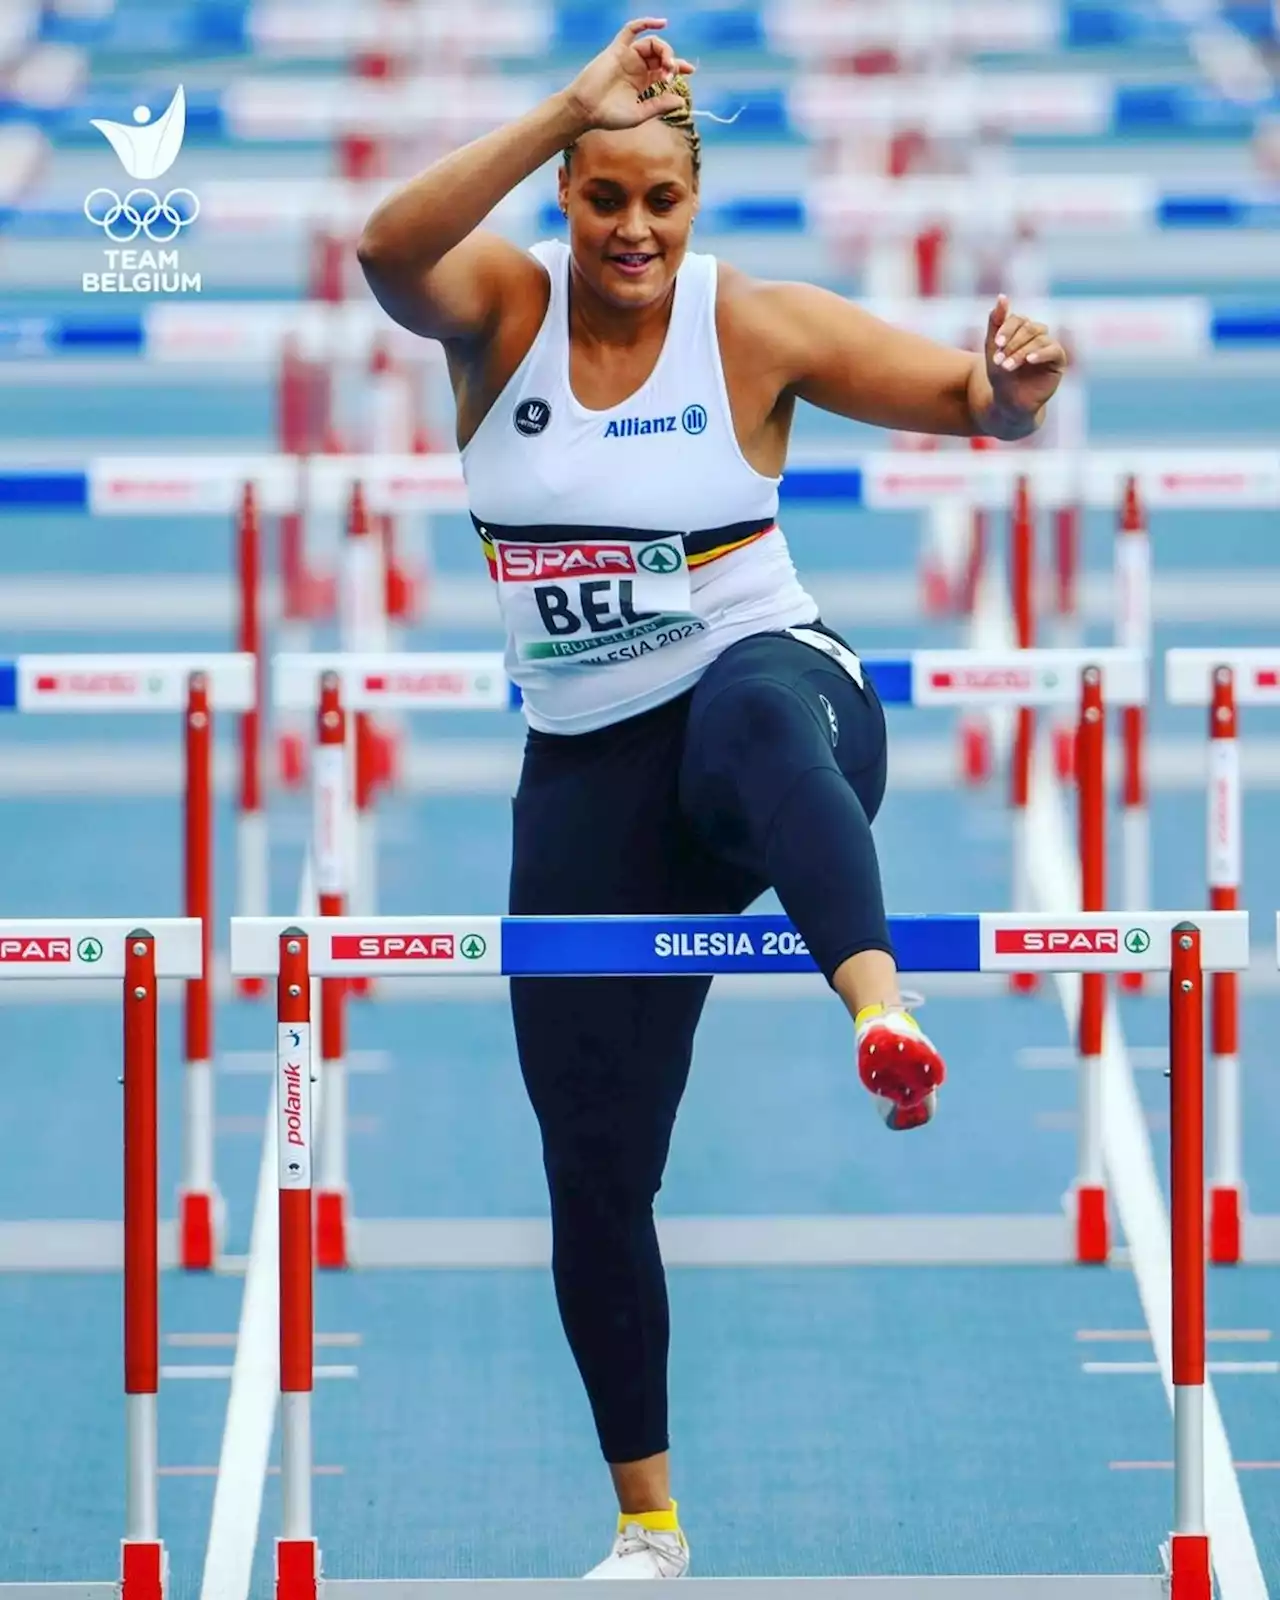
631	199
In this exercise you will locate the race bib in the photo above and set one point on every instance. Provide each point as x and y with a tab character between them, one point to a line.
594	601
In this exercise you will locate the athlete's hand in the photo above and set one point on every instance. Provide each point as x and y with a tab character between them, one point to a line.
606	93
1025	363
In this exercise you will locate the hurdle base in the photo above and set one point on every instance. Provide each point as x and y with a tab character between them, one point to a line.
144	1569
251	988
1225	1228
1024	983
332	1235
1132	983
1189	1571
200	1223
297	1569
1093	1242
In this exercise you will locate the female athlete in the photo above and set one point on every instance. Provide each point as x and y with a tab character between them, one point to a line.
696	735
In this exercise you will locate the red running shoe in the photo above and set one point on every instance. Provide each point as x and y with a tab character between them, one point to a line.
899	1065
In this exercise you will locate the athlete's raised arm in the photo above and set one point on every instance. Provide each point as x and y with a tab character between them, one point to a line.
841	358
429	267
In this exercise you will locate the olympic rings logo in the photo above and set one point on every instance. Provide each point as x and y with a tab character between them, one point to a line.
106	209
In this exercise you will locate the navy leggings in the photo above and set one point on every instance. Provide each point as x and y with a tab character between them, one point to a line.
767	774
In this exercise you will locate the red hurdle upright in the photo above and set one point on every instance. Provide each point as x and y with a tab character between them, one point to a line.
1224	860
1190	1577
200	1208
331	836
1022	546
1133	632
297	1554
1093	1244
143	1562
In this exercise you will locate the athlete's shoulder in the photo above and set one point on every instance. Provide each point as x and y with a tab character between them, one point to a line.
771	317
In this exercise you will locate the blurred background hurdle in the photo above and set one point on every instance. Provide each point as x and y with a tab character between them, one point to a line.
194	687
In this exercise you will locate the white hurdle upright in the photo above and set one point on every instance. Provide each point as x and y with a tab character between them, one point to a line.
1221	681
136	955
194	686
1092	943
333	686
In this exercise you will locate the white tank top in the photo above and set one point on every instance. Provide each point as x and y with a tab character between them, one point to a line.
629	546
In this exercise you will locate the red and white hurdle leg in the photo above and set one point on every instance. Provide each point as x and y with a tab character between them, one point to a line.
1092	1230
1066	631
1022	596
297	1551
331	844
1133	632
1189	1561
143	1559
200	1206
1225	828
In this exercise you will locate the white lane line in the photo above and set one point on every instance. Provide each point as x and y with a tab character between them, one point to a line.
255	1376
1108	1369
1143	1336
1069	1121
211	1471
1062	1058
227	1341
1167	1466
225	1371
1135	1185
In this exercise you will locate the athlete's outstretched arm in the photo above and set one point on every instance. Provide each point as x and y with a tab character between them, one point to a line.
425	261
843	359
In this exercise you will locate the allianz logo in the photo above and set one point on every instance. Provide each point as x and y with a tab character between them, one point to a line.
692	420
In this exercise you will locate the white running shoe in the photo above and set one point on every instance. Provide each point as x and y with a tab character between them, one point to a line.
650	1545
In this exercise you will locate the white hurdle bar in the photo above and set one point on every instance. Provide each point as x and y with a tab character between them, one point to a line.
1094	944
197	686
1222	681
333	687
136	954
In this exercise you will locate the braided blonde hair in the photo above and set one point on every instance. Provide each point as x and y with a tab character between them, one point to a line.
681	119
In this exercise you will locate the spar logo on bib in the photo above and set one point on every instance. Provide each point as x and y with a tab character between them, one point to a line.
528	563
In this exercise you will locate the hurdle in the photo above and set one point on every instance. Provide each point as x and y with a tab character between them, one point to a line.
344	828
195	686
136	955
1092	943
1221	681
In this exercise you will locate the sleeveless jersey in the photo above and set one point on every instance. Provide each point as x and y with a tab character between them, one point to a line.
629	546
